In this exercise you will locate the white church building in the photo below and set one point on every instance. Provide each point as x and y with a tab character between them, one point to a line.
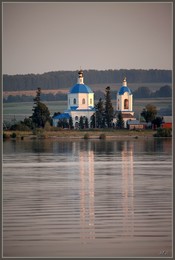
81	103
124	103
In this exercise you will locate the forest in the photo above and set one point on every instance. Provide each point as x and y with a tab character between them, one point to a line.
66	79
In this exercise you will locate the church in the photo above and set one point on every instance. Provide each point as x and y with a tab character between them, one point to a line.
124	103
81	103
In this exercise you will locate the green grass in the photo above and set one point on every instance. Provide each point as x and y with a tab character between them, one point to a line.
84	134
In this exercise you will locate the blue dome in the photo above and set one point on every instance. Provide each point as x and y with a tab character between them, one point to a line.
80	88
124	89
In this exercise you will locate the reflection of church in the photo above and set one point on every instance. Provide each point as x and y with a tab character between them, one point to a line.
87	215
81	103
127	189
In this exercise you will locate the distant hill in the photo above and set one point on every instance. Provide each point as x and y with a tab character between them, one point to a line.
65	79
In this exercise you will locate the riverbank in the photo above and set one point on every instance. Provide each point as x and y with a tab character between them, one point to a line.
79	134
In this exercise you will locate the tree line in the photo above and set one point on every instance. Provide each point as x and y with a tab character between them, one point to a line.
65	79
141	92
102	117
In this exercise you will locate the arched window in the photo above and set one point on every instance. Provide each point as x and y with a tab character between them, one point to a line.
74	101
90	101
126	104
76	118
83	101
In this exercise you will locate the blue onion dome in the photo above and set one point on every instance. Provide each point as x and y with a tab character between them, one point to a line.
124	88
80	87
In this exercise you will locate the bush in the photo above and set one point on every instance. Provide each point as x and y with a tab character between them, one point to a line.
13	135
102	136
47	126
163	132
20	127
86	136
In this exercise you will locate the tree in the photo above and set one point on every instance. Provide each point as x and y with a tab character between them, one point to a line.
47	126
142	92
149	113
93	121
81	123
86	124
37	99
163	132
165	91
28	122
99	114
158	121
56	114
71	123
120	122
41	112
109	111
63	123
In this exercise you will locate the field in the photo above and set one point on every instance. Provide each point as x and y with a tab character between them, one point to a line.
114	86
133	86
19	111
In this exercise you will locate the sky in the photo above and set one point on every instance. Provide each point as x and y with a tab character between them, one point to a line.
42	37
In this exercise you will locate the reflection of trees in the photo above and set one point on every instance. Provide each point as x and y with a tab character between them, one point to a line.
127	188
87	195
104	147
155	145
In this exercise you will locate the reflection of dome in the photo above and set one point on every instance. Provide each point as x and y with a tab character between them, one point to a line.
124	89
80	88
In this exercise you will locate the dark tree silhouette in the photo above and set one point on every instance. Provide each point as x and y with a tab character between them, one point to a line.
120	122
149	113
41	112
109	111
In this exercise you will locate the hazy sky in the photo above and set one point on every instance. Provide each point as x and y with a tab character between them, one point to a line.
42	37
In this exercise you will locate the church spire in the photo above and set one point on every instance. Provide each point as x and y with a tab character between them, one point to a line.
124	82
80	77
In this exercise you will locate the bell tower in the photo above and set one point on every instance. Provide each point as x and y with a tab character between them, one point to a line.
125	99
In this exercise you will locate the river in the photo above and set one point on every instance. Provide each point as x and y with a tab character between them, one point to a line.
87	198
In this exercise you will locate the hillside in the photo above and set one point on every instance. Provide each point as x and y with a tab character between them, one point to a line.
65	79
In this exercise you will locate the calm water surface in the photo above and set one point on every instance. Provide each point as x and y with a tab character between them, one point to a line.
87	198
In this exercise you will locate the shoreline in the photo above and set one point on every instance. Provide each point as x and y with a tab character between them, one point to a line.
81	135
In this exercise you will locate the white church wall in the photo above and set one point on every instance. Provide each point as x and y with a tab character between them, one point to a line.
77	114
71	98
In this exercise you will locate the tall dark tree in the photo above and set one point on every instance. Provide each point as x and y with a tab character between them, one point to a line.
99	114
71	123
41	112
149	113
93	123
81	123
37	99
86	123
109	111
120	122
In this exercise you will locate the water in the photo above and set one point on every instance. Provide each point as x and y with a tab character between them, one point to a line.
87	198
